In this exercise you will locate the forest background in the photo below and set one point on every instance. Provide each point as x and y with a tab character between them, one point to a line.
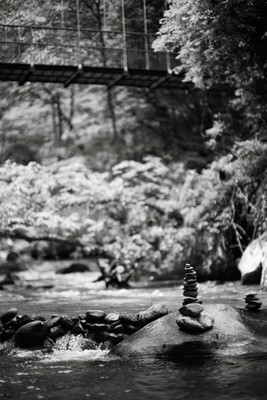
146	180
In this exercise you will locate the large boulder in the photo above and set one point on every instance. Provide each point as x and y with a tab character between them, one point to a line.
253	263
232	334
32	334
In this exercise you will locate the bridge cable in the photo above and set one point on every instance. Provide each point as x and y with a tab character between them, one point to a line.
62	14
124	37
78	28
104	15
146	34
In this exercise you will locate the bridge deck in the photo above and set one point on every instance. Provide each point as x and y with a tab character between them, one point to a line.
68	74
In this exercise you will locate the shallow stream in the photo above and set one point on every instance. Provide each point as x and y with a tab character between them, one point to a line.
73	374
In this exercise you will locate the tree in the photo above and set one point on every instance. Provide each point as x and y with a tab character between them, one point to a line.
222	43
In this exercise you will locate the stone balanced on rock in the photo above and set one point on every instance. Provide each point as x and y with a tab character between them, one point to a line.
252	301
192	319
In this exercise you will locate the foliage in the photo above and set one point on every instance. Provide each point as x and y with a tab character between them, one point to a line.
222	43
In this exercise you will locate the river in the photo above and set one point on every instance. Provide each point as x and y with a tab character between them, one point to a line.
74	374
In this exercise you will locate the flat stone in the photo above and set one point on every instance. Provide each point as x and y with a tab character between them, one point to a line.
252	293
95	316
129	318
253	307
190	285
152	313
190	293
191	310
188	300
189	281
31	334
112	317
189	269
190	275
8	315
119	329
195	325
250	299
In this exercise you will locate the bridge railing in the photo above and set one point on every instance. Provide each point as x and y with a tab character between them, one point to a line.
57	46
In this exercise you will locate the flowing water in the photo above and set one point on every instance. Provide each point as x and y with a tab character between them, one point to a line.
75	374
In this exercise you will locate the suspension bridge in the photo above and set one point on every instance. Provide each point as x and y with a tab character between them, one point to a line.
67	56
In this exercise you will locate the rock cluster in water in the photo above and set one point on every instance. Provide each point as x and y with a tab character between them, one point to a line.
193	320
252	301
98	328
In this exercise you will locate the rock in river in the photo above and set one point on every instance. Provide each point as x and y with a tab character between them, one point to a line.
31	334
231	335
152	313
8	315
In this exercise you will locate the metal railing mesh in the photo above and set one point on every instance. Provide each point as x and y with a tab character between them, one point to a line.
56	46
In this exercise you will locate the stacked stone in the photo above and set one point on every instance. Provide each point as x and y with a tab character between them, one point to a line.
190	286
192	320
252	301
96	327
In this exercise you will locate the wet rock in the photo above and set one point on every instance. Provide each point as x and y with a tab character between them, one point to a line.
129	318
96	327
229	335
119	329
75	319
112	317
56	332
26	318
95	316
78	329
113	325
131	329
82	317
66	322
191	310
195	325
1	328
74	268
103	336
152	313
8	315
31	334
12	324
7	334
53	321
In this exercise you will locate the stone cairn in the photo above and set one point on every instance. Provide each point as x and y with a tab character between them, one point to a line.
192	320
252	301
97	329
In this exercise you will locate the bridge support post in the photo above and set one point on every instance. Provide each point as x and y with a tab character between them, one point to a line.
27	75
76	73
